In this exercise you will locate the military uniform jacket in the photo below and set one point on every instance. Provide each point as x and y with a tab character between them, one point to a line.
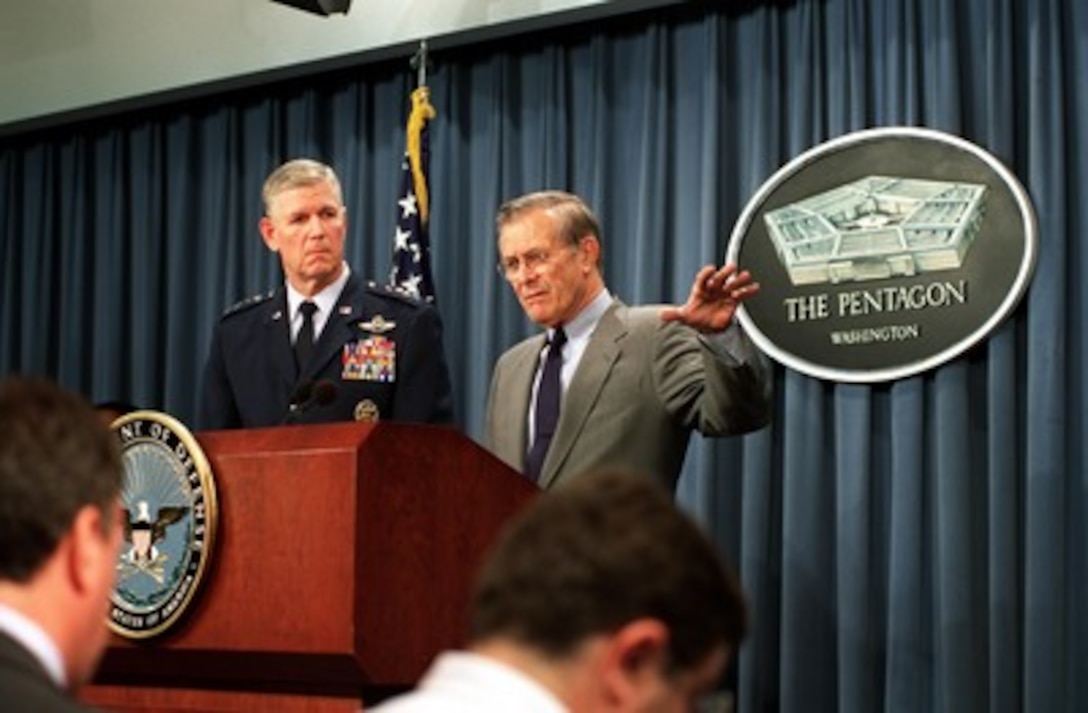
382	351
641	388
25	687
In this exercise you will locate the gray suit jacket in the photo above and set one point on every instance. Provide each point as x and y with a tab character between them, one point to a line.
642	387
25	686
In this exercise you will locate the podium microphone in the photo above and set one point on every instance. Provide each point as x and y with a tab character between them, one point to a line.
307	395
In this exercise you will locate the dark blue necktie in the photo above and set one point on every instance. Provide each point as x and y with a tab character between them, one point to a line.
547	405
304	342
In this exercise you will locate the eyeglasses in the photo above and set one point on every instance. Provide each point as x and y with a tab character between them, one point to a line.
532	261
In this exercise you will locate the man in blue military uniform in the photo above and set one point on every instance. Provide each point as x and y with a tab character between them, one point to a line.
325	346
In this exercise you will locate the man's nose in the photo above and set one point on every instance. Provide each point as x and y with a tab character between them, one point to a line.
315	226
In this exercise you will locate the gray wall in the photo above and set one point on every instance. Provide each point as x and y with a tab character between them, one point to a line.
65	59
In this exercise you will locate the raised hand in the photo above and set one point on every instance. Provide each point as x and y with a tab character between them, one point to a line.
714	298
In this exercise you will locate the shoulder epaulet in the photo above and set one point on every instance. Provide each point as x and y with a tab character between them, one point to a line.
248	303
394	292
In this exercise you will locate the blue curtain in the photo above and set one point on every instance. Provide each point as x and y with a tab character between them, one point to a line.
919	545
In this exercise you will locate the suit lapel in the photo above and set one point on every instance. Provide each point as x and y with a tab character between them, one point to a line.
277	324
585	387
513	413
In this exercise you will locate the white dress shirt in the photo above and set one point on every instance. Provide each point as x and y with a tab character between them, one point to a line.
325	300
464	682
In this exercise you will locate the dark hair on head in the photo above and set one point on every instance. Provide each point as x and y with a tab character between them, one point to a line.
574	217
592	556
56	457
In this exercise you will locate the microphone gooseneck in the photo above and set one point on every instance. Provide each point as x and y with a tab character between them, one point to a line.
307	395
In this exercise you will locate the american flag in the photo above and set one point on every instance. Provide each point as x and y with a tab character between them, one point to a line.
411	273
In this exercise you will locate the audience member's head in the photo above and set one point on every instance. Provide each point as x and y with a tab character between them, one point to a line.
611	595
60	480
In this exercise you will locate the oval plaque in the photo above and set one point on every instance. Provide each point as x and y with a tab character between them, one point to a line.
883	253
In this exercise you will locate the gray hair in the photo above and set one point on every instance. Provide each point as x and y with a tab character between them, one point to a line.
574	217
296	174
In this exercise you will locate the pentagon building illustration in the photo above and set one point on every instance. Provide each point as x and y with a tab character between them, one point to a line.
876	227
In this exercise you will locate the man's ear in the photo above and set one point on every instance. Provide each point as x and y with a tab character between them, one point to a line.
589	249
85	545
268	232
636	656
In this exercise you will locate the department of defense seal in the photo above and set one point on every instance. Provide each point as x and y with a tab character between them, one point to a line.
170	519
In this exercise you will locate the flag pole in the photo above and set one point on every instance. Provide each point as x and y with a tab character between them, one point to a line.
420	62
411	270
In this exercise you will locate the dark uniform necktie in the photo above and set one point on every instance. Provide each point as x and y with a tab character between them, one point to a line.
304	342
547	405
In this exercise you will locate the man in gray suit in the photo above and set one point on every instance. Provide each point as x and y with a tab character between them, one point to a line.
60	533
633	382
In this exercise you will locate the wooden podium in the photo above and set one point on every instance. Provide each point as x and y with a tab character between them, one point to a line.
343	564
